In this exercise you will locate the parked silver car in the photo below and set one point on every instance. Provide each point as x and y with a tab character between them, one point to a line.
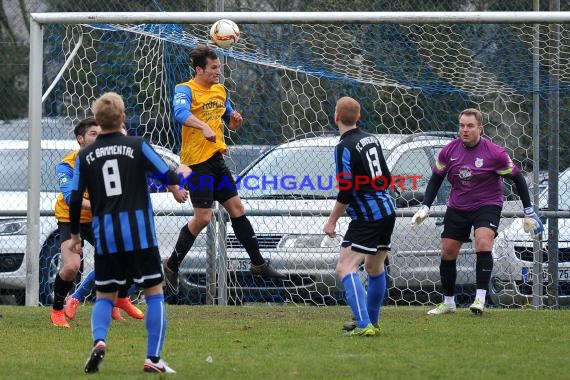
288	194
13	229
512	280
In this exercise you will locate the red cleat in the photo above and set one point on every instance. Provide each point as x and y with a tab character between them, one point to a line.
70	307
57	318
129	308
116	314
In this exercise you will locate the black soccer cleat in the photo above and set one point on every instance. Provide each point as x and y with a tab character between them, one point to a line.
265	270
96	357
170	278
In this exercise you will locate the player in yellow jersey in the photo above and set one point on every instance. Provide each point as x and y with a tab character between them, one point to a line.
202	106
86	131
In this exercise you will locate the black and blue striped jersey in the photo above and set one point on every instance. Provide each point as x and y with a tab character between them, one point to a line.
114	170
363	176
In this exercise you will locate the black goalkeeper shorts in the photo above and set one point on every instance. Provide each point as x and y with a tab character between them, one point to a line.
457	224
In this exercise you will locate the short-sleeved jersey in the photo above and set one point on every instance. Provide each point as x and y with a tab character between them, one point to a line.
64	172
114	170
475	174
358	156
210	105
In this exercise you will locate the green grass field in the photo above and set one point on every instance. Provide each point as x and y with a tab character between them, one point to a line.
292	342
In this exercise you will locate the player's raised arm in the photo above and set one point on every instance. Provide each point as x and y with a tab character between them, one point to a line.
532	223
78	186
157	164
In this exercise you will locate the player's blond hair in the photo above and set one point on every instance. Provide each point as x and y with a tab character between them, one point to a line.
109	109
473	112
348	110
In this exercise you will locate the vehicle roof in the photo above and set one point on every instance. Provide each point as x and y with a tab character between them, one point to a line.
388	140
66	144
45	144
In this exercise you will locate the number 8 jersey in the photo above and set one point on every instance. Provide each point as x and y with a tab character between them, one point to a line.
114	170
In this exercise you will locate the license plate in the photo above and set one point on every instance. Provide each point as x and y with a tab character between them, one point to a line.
563	274
238	265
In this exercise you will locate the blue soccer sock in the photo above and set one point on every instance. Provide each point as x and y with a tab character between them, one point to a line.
356	298
155	324
101	318
375	295
86	287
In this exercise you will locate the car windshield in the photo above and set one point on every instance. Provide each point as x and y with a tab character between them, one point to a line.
563	192
52	129
292	173
238	157
14	167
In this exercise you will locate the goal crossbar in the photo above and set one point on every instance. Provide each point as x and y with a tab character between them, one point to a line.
38	20
304	17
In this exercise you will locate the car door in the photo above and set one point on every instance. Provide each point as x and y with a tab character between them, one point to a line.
414	259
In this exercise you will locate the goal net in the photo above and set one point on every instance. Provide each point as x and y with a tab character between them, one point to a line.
285	78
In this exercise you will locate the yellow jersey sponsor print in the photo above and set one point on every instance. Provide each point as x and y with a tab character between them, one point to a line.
61	206
208	105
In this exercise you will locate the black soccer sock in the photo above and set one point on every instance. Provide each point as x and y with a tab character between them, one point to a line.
60	290
448	273
123	291
246	236
483	269
154	359
185	242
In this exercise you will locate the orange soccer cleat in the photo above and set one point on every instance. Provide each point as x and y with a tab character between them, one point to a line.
70	307
116	314
129	308
57	318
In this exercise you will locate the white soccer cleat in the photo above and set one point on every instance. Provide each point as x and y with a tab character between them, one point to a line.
442	308
477	307
161	366
420	216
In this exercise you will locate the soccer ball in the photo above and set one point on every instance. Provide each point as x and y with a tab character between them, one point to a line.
224	33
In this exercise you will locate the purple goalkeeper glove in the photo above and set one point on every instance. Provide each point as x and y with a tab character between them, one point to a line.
532	223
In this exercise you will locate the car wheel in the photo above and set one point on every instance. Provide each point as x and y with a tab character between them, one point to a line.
49	267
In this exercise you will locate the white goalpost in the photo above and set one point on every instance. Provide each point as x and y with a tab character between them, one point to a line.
413	70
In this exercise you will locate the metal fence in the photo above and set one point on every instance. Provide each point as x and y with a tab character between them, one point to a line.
412	76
